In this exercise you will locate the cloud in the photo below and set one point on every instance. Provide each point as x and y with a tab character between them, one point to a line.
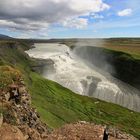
78	23
33	15
26	25
125	12
97	16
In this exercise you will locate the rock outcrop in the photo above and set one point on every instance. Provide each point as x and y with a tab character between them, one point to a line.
9	132
18	114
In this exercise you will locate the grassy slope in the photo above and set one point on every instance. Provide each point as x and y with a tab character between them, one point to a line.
58	105
127	45
12	54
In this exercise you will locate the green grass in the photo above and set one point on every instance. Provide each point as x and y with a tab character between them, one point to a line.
58	105
8	76
126	45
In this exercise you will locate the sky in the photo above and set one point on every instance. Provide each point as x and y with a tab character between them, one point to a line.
70	18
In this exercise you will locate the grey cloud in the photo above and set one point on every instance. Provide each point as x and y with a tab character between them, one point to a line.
37	14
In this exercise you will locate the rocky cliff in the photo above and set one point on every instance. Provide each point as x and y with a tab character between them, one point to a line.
18	118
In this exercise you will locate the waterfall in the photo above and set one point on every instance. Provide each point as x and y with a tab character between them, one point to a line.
81	76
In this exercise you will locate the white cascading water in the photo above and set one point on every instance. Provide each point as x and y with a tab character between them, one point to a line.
72	72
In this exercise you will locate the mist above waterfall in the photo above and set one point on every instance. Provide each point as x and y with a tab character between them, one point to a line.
75	69
93	55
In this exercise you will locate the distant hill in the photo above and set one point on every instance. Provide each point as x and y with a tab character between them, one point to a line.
5	37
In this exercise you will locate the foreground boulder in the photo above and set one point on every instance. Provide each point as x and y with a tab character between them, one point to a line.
87	131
